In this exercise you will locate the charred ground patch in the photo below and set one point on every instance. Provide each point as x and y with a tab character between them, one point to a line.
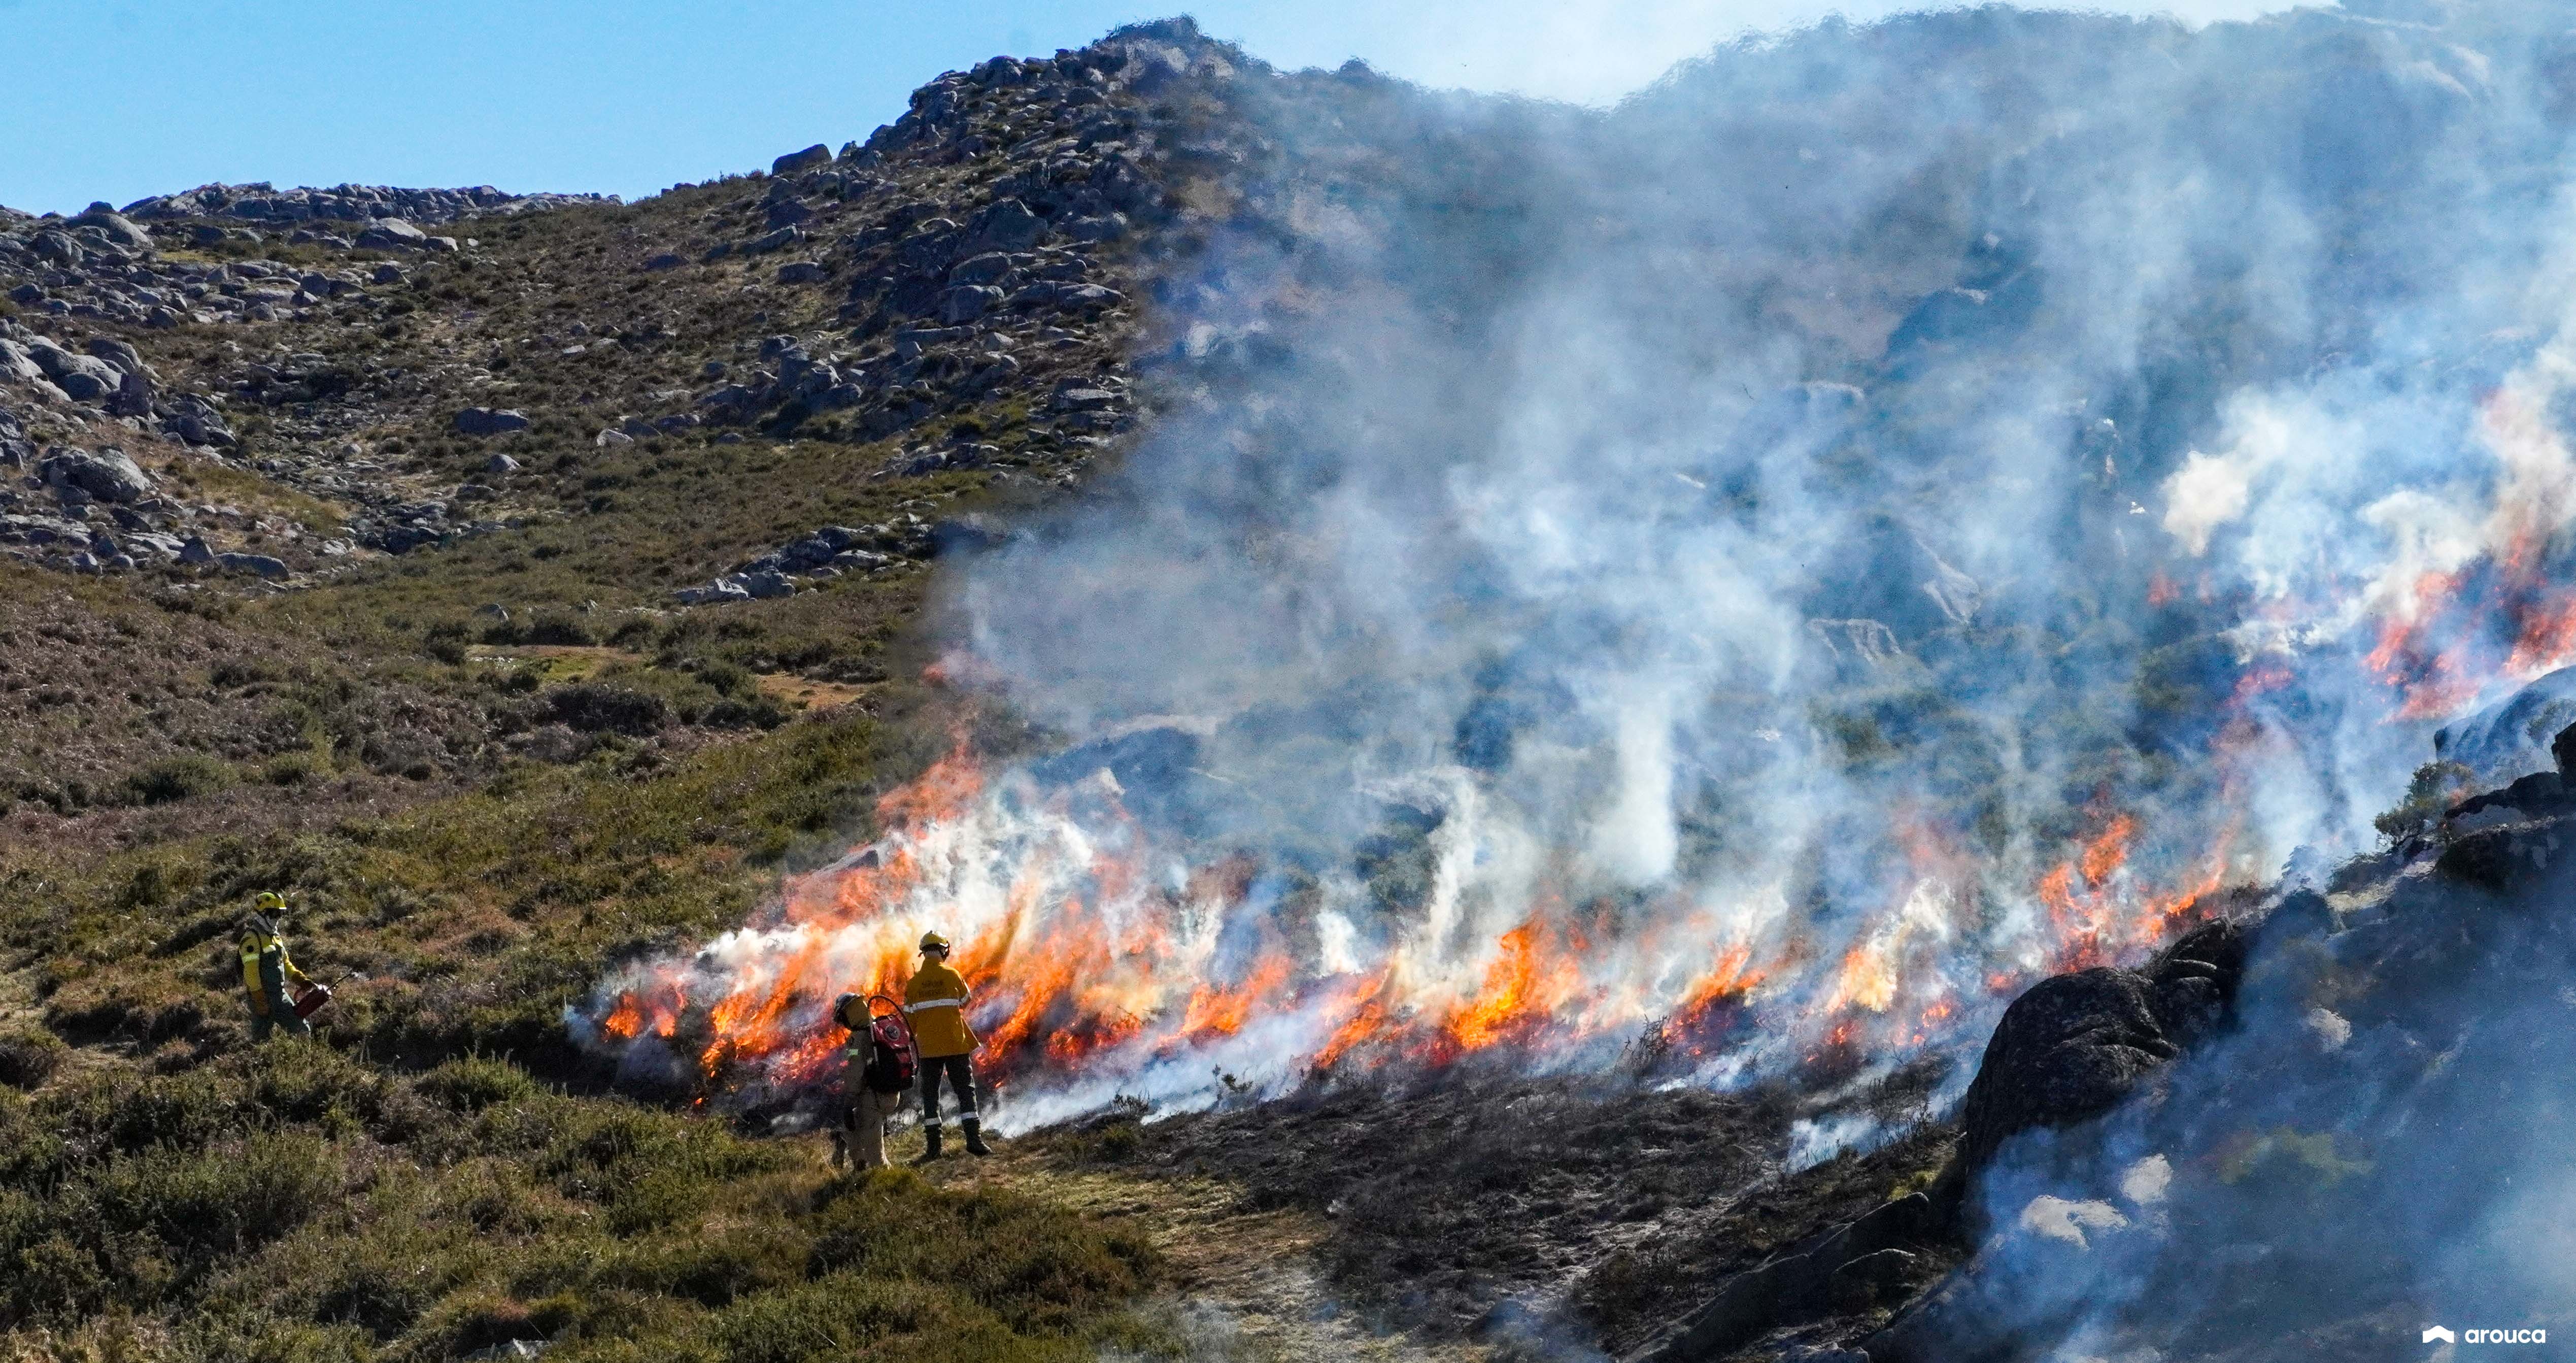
1507	1209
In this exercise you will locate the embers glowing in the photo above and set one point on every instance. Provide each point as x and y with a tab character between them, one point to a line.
1091	951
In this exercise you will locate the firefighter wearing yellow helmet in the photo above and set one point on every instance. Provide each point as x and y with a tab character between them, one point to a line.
266	969
935	1004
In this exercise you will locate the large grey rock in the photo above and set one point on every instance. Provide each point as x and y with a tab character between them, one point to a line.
42	530
109	475
88	386
57	248
779	240
195	421
961	305
2074	1046
121	354
721	590
392	234
486	421
798	162
17	366
1099	227
802	272
261	564
1005	225
119	228
731	400
1084	399
133	396
983	269
153	544
2512	736
82	378
1086	296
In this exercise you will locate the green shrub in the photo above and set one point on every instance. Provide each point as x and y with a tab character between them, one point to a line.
1038	1267
482	1318
303	1081
559	629
717	1268
123	1113
835	1318
726	678
760	712
2436	787
222	1199
474	1082
29	1055
294	768
597	707
142	1009
179	778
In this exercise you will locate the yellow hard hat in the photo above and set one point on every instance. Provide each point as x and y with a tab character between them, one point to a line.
270	901
931	941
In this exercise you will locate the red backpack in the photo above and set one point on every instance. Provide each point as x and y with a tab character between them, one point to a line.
890	1062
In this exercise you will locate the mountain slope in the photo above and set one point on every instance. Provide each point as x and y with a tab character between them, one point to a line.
1698	607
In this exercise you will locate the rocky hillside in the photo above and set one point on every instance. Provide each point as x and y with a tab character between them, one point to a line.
563	422
516	583
526	585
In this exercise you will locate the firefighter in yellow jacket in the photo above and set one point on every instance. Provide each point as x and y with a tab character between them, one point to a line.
935	1003
266	969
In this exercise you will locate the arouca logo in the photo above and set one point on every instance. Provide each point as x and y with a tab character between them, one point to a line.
2443	1335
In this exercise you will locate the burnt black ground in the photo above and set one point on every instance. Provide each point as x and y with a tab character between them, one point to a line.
1591	1210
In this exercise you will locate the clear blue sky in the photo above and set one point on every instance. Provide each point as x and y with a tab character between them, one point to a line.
116	99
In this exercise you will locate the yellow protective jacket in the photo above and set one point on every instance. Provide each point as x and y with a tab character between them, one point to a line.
935	1002
266	968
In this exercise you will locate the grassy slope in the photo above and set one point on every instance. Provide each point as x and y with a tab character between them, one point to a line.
298	1203
440	1172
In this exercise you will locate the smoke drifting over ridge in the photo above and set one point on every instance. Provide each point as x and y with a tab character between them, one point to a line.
1769	569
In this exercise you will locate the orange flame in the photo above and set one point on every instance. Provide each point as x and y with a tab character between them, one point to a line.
1529	980
1081	948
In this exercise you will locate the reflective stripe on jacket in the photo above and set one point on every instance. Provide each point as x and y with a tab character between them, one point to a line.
935	1002
265	969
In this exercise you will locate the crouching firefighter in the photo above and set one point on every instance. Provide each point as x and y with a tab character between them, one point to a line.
266	969
935	1003
877	1072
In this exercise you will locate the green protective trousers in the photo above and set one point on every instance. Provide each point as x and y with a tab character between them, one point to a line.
280	1016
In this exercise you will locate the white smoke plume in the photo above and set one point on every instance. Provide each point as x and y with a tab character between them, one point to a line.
1749	578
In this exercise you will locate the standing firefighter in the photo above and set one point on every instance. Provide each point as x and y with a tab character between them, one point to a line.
877	1070
935	1002
266	968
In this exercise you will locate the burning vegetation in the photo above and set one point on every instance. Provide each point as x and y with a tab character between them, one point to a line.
1648	676
1103	960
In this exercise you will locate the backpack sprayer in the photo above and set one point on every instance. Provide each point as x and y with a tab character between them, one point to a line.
892	1037
315	996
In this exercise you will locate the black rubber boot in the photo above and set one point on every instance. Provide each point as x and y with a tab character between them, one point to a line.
930	1151
975	1138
